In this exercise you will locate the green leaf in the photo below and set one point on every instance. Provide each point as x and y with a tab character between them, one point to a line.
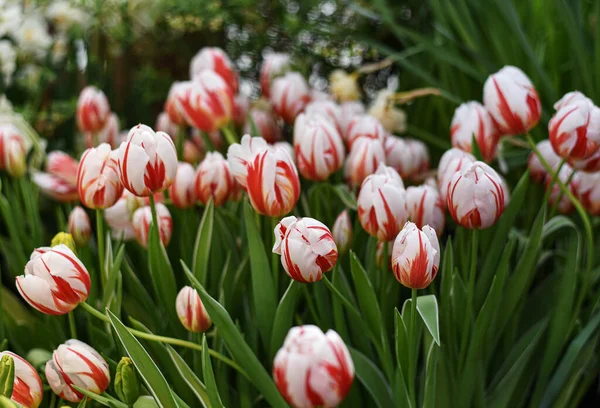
401	394
149	372
475	151
113	277
105	399
346	196
372	379
284	315
203	241
429	393
428	309
209	376
189	377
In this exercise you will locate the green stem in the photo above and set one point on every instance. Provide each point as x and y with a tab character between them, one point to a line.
311	306
208	144
72	326
471	289
553	181
275	258
180	141
229	135
341	298
32	214
100	239
560	196
413	349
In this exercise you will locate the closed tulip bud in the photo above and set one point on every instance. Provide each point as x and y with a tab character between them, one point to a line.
289	95
98	181
76	363
381	202
241	105
268	175
574	130
476	196
79	226
587	188
164	124
565	175
13	150
472	120
569	98
306	247
60	180
55	280
365	157
451	161
93	110
343	86
216	60
537	172
142	218
172	106
328	110
213	179
182	191
192	152
191	311
383	109
147	161
64	238
589	165
365	126
25	383
313	369
266	125
273	66
409	157
512	101
109	133
350	110
288	148
120	216
342	231
318	95
127	383
318	147
425	207
416	256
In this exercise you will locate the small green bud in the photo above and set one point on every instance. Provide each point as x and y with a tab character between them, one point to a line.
7	375
127	383
64	238
7	403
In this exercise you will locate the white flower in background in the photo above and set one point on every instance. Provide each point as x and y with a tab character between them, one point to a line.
60	48
11	16
64	15
8	61
32	36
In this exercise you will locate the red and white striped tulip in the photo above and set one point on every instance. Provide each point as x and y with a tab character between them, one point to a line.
364	126
274	65
306	247
79	226
98	179
60	180
191	311
342	231
587	189
425	207
147	161
409	157
108	134
55	280
589	165
13	150
318	147
268	175
192	151
119	217
266	125
416	256
383	109
329	110
574	130
289	96
216	60
76	363
565	175
452	160
350	110
313	369
382	209
537	172
172	106
213	179
470	120
512	101
475	196
93	110
318	95
289	149
241	106
365	157
27	391
142	218
569	98
182	191
164	124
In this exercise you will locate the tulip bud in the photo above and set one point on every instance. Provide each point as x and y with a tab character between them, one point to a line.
13	150
344	86
55	280
537	171
213	179
472	120
289	95
92	110
191	311
142	218
268	175
365	157
586	187
241	105
451	162
76	363
306	247
109	133
60	180
216	60
364	126
570	98
147	161
119	217
476	196
182	192
416	256
565	175
98	182
318	147
313	369
288	148
127	383
164	124
409	157
328	110
589	165
350	110
274	65
391	118
63	238
342	231
173	110
425	207
574	130
317	95
266	125
19	381
7	375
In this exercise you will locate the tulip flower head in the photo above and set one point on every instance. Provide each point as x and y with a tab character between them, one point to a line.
108	134
55	280
306	247
274	65
364	126
416	256
79	226
587	189
120	216
589	165
93	110
266	125
472	120
451	161
13	150
383	109
425	207
327	109
216	60
350	110
289	95
537	172
566	176
574	130
313	369
142	218
342	231
365	157
164	124
409	157
60	180
343	86
570	98
181	192
172	106
98	181
191	311
27	386
213	179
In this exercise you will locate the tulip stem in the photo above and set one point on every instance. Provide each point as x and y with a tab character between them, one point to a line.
275	258
180	141
100	239
471	289
413	348
553	181
229	135
560	196
167	340
72	326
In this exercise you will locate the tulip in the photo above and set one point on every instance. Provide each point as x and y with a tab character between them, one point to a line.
164	124
266	125
274	65
241	105
317	95
79	226
93	110
382	204
425	207
569	98
120	216
313	369
191	311
365	126
127	383
512	101
343	86
574	131
27	387
289	95
587	189
451	161
365	157
181	192
475	196
409	157
13	150
98	181
416	256
192	151
306	247
342	231
537	171
76	363
472	120
60	180
268	175
64	238
108	134
213	179
142	218
216	60
589	165
55	280
289	149
391	118
147	161
318	147
566	176
172	106
329	110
